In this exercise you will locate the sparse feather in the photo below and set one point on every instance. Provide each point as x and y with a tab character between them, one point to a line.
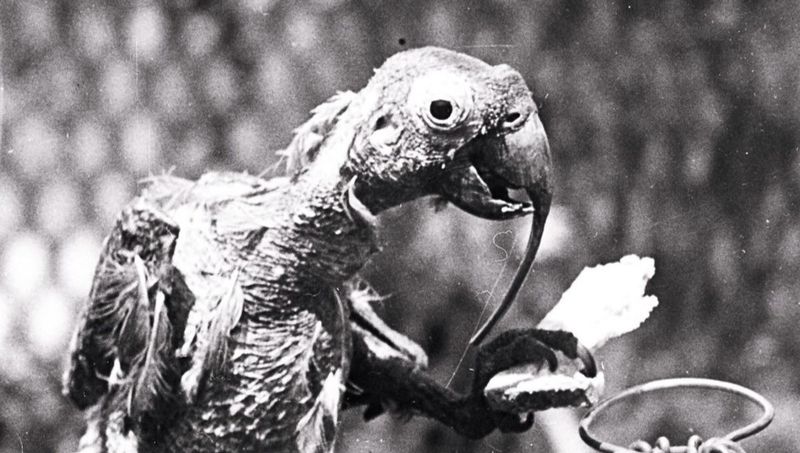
133	333
308	137
316	431
115	288
212	353
162	188
228	314
115	322
151	383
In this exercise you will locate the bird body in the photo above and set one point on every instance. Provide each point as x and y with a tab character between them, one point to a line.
285	348
223	314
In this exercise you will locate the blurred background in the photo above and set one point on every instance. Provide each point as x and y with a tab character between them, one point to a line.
675	127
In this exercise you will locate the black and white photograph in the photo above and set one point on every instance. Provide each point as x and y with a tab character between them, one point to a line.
367	226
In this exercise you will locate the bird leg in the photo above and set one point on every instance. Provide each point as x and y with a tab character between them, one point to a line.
378	341
405	385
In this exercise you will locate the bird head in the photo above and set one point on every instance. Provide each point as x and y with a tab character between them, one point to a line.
434	122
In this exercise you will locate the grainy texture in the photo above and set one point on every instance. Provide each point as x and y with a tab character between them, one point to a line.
675	125
219	319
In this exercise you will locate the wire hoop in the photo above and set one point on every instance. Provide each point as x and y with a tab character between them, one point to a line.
727	443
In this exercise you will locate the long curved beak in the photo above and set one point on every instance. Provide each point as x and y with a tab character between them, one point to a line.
520	160
479	178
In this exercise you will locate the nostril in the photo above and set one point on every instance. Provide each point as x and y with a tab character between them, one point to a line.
511	120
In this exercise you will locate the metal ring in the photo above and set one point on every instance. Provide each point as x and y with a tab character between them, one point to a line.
664	384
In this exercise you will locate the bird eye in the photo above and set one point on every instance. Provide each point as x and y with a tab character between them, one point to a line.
443	114
441	99
441	109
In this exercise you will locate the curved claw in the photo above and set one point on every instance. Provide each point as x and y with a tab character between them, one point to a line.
589	364
552	359
512	348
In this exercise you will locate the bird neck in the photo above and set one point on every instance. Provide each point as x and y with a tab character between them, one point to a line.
321	233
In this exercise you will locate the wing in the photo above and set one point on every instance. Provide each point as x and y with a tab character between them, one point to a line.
162	306
124	328
144	286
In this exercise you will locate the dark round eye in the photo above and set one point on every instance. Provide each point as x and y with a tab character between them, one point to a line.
441	109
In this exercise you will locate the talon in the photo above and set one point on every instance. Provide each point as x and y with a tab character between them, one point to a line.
550	356
513	348
586	357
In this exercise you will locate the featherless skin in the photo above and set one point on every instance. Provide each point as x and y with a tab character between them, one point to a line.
226	313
